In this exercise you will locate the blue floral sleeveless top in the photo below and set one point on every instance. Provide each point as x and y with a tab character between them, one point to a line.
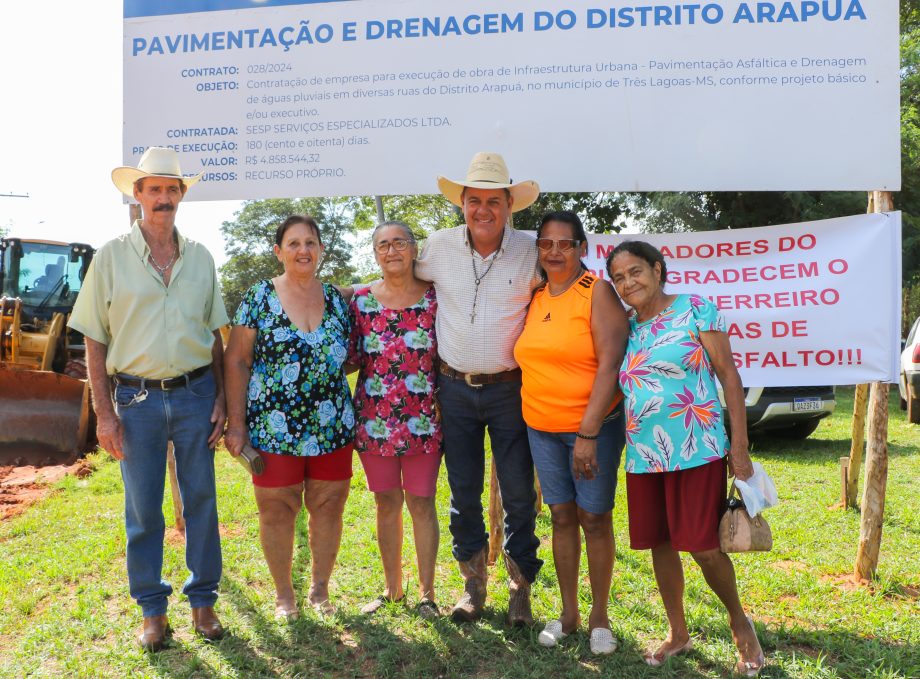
298	402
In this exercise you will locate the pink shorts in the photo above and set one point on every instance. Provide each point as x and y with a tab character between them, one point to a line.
292	470
415	474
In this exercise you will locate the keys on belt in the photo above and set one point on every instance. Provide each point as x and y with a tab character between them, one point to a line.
479	380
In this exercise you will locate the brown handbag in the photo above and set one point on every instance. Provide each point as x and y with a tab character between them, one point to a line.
738	532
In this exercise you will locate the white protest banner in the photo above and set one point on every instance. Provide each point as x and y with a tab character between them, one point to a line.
278	98
807	304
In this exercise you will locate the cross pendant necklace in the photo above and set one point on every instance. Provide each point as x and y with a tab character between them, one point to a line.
478	280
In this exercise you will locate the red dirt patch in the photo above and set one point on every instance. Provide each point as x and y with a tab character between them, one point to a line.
910	591
790	566
22	486
847	582
176	537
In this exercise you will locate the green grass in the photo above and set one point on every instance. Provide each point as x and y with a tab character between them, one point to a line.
66	610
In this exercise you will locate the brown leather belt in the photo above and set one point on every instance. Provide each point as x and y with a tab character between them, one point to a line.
478	380
165	385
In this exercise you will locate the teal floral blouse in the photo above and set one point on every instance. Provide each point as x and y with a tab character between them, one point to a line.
298	401
673	413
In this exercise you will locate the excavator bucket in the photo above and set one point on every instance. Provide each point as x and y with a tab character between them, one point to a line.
44	417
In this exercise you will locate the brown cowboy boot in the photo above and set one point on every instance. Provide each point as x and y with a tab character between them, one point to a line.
475	574
519	613
206	623
152	636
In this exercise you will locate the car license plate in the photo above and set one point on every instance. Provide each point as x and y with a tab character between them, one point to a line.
800	405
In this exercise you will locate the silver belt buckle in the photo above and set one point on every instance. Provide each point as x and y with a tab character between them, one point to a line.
166	384
468	378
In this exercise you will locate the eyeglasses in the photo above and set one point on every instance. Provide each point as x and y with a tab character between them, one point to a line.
564	244
399	244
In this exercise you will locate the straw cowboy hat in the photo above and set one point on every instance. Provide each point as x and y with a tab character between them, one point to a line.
157	161
488	171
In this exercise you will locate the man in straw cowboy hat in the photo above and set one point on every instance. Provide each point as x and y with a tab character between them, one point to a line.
150	310
483	273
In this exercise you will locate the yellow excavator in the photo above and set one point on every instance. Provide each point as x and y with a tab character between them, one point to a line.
45	413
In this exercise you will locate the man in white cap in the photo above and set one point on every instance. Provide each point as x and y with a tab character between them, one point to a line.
484	273
150	310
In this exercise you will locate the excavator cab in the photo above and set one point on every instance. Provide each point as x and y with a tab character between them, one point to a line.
44	413
45	275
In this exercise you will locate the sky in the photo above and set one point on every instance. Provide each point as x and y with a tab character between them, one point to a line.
60	127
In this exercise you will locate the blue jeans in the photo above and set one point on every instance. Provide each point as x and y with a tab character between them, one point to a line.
181	416
552	455
466	414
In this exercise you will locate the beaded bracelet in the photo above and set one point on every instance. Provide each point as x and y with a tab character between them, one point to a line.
586	437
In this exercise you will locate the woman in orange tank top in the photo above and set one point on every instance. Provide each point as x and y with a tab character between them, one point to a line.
570	353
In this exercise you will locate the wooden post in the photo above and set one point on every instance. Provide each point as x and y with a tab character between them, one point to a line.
496	517
497	513
873	504
174	488
134	214
858	436
844	463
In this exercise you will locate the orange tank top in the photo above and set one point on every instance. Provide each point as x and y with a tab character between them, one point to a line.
557	359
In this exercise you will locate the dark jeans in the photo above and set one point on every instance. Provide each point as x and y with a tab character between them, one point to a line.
466	413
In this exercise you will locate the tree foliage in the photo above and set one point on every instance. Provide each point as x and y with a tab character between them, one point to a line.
250	236
599	212
423	213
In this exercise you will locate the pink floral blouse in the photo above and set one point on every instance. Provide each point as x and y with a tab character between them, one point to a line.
395	351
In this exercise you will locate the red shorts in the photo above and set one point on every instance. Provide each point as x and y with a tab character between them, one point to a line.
292	470
416	474
682	507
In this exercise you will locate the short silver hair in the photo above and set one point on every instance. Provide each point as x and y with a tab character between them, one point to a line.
394	222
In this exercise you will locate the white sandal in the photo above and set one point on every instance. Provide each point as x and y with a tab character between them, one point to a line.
602	641
552	634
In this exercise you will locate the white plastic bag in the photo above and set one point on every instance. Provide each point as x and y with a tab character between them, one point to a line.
758	492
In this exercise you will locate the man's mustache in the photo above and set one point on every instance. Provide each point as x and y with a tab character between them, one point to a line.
166	207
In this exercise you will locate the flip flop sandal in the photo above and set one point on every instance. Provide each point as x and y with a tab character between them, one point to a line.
323	608
659	658
748	668
552	634
427	609
286	613
373	606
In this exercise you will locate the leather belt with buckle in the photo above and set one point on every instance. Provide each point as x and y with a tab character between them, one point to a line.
165	385
479	380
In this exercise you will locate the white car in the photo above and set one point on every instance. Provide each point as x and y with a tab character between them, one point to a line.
909	382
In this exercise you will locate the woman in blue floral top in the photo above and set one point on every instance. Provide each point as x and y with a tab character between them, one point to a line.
676	442
288	397
398	437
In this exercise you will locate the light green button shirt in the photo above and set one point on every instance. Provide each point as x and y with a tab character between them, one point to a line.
151	330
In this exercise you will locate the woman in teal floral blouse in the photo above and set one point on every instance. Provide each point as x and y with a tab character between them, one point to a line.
288	397
677	449
398	436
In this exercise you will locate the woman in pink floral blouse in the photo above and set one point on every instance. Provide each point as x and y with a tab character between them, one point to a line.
398	435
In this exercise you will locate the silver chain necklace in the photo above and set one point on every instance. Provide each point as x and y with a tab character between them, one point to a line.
479	280
163	269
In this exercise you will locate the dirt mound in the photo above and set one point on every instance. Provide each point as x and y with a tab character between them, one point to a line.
24	485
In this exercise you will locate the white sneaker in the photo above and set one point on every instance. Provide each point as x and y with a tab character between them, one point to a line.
602	641
552	634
